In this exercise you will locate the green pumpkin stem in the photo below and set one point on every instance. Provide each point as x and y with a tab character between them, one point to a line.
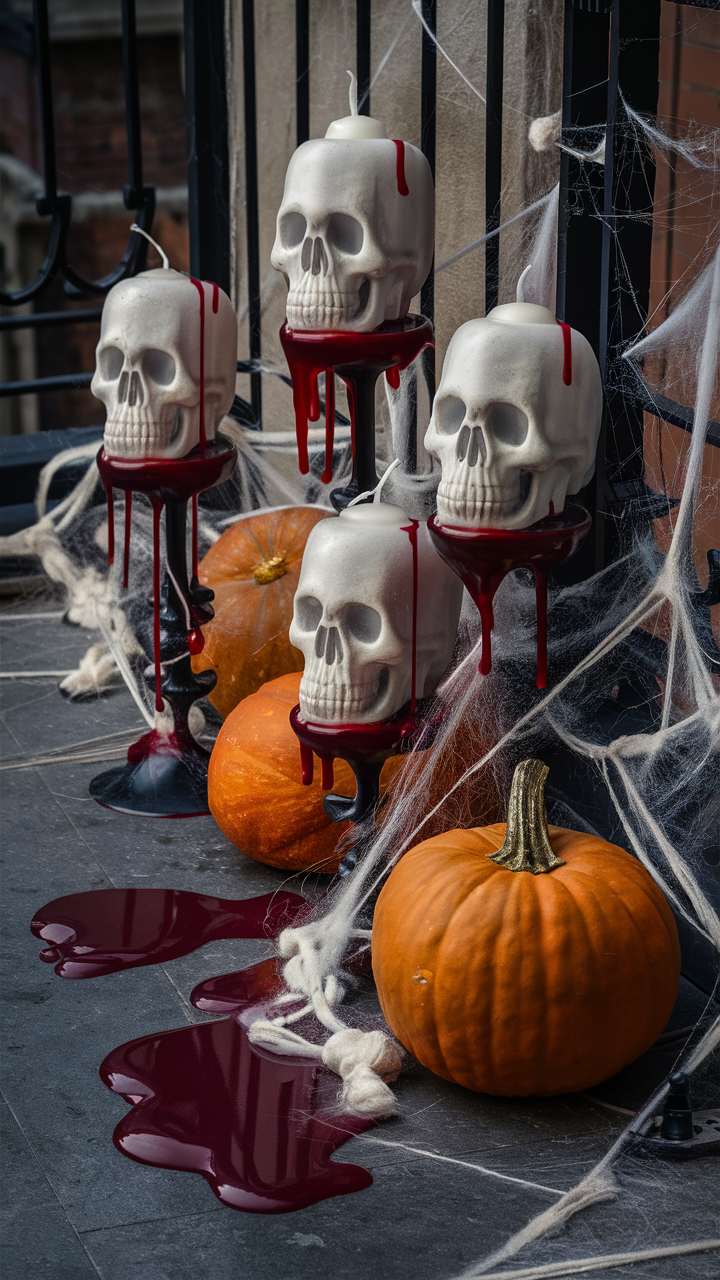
527	843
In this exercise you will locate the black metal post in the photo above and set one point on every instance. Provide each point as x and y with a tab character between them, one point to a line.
362	62
302	71
252	220
428	106
585	87
493	146
133	189
207	135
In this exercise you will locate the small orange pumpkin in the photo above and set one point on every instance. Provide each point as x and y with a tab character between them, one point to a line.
524	959
255	791
253	568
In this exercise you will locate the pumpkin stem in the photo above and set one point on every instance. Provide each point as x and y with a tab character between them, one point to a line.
269	570
527	843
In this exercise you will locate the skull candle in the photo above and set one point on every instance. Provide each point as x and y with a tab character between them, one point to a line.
355	228
165	364
356	608
515	420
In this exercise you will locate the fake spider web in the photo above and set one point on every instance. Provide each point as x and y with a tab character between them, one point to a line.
635	701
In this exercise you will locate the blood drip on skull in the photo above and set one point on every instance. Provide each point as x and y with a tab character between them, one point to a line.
402	185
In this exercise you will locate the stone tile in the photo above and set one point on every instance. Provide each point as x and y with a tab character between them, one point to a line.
38	1240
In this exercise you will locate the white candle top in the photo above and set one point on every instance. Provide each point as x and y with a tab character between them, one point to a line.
354	125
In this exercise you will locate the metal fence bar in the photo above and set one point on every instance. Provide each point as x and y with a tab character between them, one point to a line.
493	146
428	117
302	71
41	319
59	382
362	56
133	190
207	137
252	222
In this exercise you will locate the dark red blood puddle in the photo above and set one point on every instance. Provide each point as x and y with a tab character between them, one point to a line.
567	353
258	1126
482	557
108	930
402	185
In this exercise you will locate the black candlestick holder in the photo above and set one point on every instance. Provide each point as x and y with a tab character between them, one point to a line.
166	771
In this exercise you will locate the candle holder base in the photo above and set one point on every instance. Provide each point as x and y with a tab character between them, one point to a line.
166	772
366	748
359	359
483	557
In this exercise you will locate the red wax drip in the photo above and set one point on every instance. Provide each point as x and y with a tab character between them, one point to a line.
411	530
200	286
329	424
567	353
327	773
196	641
393	377
482	557
215	298
157	507
109	930
312	352
111	524
551	512
307	764
259	1127
126	548
195	562
402	185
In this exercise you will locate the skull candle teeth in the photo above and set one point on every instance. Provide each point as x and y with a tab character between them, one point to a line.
355	228
515	420
353	616
166	364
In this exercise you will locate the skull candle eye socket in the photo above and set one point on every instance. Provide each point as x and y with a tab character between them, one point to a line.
507	423
345	233
293	226
111	362
450	414
158	366
364	623
308	612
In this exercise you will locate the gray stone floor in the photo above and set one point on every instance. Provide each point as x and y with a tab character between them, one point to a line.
76	1208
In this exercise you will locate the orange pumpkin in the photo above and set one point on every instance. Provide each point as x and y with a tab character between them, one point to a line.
253	568
523	959
255	792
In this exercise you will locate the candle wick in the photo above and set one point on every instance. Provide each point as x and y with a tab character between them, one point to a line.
154	243
353	95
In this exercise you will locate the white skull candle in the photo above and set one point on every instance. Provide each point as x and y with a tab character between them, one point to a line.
165	364
370	581
355	229
515	420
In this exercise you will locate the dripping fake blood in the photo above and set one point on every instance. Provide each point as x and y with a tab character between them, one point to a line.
109	930
312	352
482	557
567	353
402	185
259	1127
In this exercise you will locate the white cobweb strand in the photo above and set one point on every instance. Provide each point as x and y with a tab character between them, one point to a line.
364	1060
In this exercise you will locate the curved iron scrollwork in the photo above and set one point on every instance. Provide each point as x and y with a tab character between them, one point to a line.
58	205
